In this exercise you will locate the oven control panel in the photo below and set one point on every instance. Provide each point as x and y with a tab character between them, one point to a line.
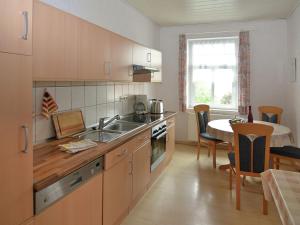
159	128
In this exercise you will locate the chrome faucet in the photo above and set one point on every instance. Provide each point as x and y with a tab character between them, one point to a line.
103	124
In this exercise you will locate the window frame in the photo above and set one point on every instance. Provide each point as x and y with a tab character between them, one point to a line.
189	68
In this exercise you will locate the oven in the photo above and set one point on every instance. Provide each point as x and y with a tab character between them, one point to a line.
158	143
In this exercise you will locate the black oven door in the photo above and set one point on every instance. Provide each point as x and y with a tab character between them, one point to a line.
158	143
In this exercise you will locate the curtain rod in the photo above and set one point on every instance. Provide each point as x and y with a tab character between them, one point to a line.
219	32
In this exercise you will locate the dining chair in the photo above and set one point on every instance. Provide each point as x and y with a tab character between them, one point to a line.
283	155
251	154
270	114
202	118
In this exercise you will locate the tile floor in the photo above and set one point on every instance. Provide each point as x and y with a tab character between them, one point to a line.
193	193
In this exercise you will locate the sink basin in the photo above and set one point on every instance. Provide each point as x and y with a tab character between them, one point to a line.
101	136
122	126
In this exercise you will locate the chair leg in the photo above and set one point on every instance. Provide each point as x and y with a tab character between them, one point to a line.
238	191
265	206
230	178
277	163
198	150
244	179
214	155
208	150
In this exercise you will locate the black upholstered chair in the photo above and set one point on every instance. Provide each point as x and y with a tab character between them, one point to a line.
270	114
251	154
202	118
289	154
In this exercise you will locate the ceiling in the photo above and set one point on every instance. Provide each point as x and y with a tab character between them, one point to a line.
181	12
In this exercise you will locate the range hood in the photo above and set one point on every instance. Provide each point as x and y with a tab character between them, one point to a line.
138	69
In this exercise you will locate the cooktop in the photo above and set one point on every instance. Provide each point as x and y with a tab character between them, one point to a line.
142	118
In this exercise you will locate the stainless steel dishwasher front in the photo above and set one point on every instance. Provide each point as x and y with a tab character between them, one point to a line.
47	196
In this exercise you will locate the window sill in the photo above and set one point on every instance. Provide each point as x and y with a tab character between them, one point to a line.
218	111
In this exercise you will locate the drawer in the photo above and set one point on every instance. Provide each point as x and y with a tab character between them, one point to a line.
140	139
116	155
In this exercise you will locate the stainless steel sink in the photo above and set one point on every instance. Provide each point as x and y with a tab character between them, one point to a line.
120	126
101	136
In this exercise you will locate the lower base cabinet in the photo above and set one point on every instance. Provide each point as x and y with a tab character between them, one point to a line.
81	207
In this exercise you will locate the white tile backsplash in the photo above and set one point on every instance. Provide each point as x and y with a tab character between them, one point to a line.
63	98
95	99
77	97
90	95
101	94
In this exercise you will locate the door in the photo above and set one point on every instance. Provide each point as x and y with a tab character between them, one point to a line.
16	166
141	169
16	26
117	191
81	207
94	59
141	55
55	44
121	50
156	61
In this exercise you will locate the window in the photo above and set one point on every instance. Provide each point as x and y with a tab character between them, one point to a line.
212	72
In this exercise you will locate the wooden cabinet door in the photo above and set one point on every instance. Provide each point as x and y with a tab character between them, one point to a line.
16	166
117	191
141	55
141	170
121	52
94	52
156	61
170	146
81	207
55	44
16	26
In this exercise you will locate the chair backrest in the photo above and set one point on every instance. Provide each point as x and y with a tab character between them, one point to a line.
202	117
252	148
270	114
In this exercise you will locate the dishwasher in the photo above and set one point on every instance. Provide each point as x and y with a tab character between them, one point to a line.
49	195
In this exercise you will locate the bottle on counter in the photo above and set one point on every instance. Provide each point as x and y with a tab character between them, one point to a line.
250	116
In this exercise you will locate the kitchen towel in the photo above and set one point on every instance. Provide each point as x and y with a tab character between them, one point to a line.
73	147
49	105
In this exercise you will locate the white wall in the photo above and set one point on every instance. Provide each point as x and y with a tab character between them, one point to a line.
114	15
293	91
268	64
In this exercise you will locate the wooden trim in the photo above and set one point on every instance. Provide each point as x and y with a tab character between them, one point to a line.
271	109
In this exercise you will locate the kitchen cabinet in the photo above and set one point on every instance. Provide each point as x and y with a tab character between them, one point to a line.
117	185
16	26
81	207
55	44
121	53
141	55
94	60
28	222
16	163
170	145
141	169
156	61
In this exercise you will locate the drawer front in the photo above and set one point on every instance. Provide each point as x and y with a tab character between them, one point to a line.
116	155
140	139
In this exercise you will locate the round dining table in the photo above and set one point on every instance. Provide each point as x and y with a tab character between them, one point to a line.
221	129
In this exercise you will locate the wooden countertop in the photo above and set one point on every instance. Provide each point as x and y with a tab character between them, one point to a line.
50	164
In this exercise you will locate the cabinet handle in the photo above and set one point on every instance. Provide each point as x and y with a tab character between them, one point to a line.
122	153
107	68
25	26
26	133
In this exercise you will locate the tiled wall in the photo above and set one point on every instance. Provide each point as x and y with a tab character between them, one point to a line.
95	99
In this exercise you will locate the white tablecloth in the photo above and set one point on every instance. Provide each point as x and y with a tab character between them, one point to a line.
284	188
221	129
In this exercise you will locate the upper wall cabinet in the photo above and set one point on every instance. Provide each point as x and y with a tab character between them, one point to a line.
55	44
16	26
156	61
141	55
94	60
121	53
